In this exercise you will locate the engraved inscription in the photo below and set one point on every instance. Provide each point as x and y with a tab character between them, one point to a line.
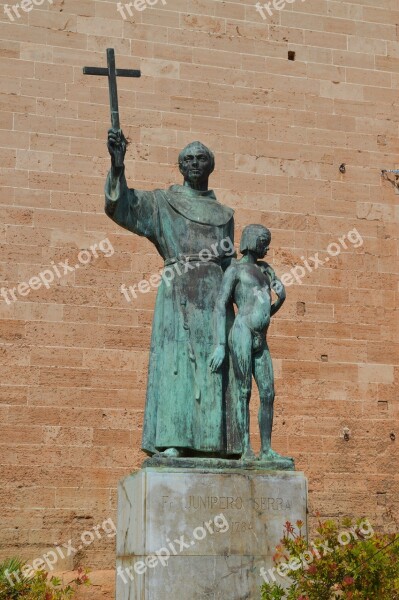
271	504
167	502
217	502
262	503
241	526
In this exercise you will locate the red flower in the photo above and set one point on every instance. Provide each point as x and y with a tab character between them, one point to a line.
348	580
312	569
289	527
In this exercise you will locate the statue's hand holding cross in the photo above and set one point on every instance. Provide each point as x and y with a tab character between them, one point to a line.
116	139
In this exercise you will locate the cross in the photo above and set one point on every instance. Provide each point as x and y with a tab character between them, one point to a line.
112	73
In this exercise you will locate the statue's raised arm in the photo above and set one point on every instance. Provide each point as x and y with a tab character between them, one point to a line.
135	210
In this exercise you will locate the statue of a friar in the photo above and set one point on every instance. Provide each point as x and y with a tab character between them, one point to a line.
194	233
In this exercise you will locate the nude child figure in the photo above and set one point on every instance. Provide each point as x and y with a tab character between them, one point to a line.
248	283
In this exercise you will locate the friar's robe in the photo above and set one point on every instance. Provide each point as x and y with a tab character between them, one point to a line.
185	400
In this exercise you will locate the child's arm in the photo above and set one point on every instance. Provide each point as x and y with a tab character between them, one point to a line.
225	294
278	287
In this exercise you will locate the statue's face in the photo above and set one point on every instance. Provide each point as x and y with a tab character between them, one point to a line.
262	246
196	165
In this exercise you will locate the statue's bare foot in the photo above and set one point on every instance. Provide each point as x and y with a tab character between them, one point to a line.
248	454
172	453
270	455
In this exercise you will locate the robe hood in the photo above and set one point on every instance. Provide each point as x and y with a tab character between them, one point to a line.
199	207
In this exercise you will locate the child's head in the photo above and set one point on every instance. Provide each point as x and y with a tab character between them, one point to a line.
255	238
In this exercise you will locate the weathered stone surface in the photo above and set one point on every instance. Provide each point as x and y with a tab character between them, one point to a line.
194	535
281	463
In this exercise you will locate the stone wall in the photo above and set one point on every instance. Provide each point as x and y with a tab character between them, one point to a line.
74	351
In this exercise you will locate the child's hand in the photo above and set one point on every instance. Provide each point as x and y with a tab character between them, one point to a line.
218	357
278	287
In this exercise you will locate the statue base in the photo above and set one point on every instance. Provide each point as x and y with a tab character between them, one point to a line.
279	463
202	533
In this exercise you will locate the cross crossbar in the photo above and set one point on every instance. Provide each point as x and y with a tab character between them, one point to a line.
118	72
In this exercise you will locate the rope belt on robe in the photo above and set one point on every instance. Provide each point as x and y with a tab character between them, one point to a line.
191	258
185	258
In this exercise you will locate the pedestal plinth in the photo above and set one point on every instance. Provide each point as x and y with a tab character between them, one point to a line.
197	534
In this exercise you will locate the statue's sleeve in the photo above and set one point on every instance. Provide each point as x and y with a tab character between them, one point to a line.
135	210
230	254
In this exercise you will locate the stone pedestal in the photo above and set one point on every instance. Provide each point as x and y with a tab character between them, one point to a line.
198	534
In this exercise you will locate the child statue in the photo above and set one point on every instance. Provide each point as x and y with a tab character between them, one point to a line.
248	283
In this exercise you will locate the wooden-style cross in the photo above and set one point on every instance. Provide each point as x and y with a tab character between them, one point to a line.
112	73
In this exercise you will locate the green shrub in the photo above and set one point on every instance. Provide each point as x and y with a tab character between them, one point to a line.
36	586
349	563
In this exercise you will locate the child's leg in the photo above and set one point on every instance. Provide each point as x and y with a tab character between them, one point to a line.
264	377
240	344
